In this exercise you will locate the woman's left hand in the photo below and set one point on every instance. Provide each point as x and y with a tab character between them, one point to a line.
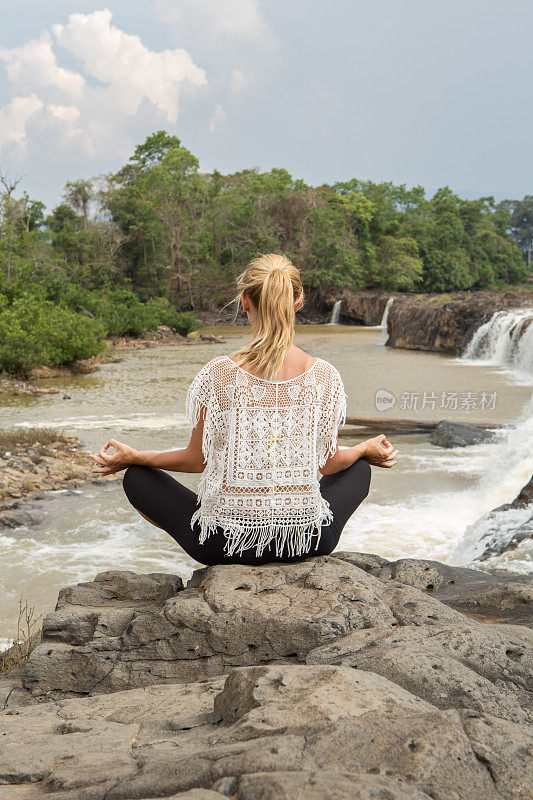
123	457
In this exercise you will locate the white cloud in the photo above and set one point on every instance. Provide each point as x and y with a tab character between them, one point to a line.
131	71
236	19
218	116
34	66
239	81
133	82
13	119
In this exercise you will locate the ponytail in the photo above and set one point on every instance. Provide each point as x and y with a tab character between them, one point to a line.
273	284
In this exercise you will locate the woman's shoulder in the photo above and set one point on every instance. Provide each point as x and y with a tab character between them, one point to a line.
326	369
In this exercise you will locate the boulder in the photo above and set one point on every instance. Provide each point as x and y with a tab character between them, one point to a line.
101	640
473	667
459	434
265	732
503	596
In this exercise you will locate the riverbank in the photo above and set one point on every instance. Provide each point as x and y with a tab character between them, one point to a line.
163	336
345	675
36	461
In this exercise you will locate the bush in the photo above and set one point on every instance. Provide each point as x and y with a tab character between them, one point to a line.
36	332
122	313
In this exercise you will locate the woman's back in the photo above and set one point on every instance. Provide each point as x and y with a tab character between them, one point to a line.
264	421
263	442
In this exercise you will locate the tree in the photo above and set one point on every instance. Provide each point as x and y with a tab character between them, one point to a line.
521	224
79	194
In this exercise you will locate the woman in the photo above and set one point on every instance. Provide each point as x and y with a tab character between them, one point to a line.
258	442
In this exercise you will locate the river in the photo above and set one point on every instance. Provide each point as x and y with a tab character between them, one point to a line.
420	508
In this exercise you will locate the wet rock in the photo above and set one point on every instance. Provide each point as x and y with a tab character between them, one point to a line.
506	526
459	434
17	518
524	497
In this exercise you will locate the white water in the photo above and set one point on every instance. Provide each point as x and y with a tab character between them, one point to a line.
384	318
507	471
335	313
506	340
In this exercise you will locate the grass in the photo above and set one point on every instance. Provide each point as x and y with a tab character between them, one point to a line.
26	640
10	440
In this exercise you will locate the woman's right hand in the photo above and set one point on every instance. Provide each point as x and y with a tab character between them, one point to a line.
379	452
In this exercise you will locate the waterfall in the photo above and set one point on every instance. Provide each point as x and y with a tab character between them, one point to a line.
506	340
335	313
384	318
509	468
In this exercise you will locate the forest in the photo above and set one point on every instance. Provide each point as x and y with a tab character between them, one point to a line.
158	241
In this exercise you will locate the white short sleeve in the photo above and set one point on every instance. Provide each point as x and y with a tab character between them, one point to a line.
333	414
198	395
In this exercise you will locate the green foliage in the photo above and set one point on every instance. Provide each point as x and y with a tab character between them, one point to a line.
36	332
158	239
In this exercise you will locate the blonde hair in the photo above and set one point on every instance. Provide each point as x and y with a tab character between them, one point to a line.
273	284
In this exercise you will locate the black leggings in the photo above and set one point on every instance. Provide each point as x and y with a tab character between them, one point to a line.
171	505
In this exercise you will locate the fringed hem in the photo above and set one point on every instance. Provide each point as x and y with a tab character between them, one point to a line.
245	535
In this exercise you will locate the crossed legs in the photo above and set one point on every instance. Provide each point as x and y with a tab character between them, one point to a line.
169	505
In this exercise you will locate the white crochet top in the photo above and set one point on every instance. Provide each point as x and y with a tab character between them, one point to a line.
263	441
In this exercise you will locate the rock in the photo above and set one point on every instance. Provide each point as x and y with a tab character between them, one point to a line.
473	667
12	692
123	630
512	601
32	468
263	733
335	677
459	434
445	323
12	518
368	561
524	497
506	526
359	308
485	595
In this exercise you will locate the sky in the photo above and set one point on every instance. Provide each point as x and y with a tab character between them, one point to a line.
417	92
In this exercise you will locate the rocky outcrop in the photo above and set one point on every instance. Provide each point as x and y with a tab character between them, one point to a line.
336	677
33	466
443	323
265	732
505	527
11	386
359	308
498	597
459	434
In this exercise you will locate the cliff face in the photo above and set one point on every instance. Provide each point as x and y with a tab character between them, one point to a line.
359	308
425	322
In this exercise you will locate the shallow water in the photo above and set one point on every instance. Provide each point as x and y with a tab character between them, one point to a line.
420	508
